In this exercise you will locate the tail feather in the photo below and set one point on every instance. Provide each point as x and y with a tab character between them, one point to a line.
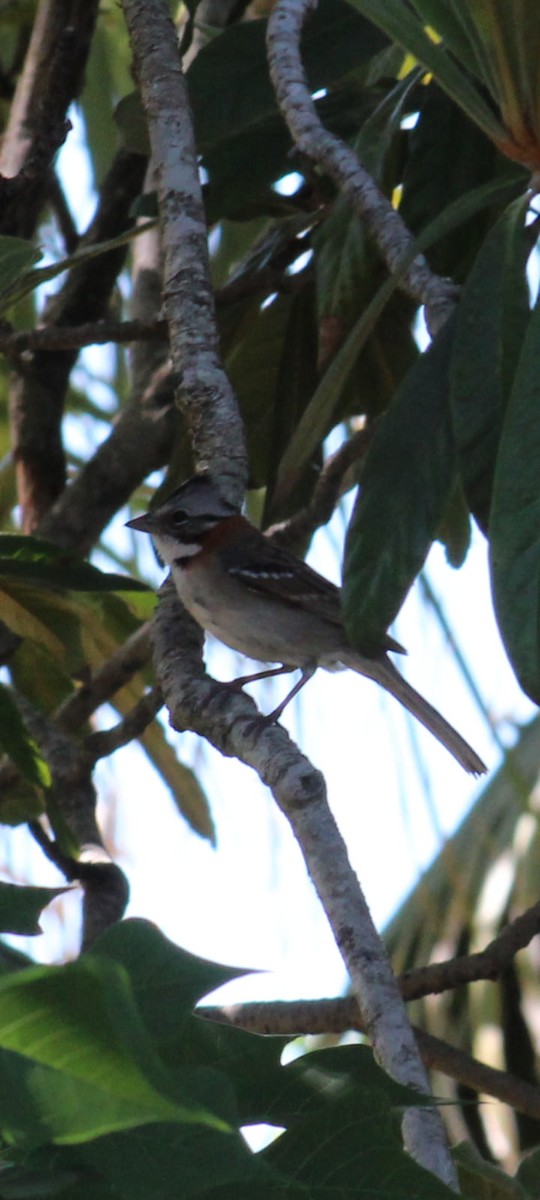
383	671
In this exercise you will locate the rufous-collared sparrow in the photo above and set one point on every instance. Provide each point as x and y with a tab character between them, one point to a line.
261	600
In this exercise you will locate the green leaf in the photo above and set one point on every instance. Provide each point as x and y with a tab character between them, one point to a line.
528	1172
167	981
406	485
447	156
345	258
318	416
39	677
24	557
20	907
16	256
491	322
28	281
15	741
454	25
166	1162
344	1141
402	26
130	118
23	1183
514	526
82	1022
75	628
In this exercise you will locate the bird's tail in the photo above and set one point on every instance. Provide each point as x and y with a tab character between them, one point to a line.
383	671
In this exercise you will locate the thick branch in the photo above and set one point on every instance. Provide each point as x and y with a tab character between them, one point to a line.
204	392
341	163
139	443
51	79
73	795
230	721
40	381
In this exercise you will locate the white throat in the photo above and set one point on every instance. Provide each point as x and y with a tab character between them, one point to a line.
170	549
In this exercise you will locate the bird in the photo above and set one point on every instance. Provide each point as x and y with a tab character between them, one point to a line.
263	601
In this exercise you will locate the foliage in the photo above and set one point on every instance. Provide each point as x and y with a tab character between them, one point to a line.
110	1086
117	1088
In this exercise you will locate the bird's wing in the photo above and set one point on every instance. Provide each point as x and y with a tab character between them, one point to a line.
280	573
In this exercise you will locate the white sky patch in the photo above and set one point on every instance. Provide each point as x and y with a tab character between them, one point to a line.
289	184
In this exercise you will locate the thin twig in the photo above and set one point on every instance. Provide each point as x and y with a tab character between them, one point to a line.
341	163
130	658
328	489
467	968
75	337
301	1017
105	741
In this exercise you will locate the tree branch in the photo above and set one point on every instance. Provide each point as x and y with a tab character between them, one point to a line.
467	968
51	79
76	709
139	442
76	337
204	394
302	1017
40	380
341	163
328	488
73	795
231	722
105	741
105	682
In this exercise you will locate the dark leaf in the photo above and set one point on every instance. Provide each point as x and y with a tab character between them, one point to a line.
514	526
42	563
20	907
167	981
447	156
165	1162
320	413
406	485
16	256
491	322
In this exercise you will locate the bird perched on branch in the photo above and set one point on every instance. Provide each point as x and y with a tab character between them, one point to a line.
261	600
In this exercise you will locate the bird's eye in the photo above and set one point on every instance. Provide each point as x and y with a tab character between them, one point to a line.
178	518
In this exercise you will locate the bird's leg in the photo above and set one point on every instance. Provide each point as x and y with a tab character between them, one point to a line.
284	670
308	670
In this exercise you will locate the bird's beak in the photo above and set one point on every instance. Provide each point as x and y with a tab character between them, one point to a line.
146	523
